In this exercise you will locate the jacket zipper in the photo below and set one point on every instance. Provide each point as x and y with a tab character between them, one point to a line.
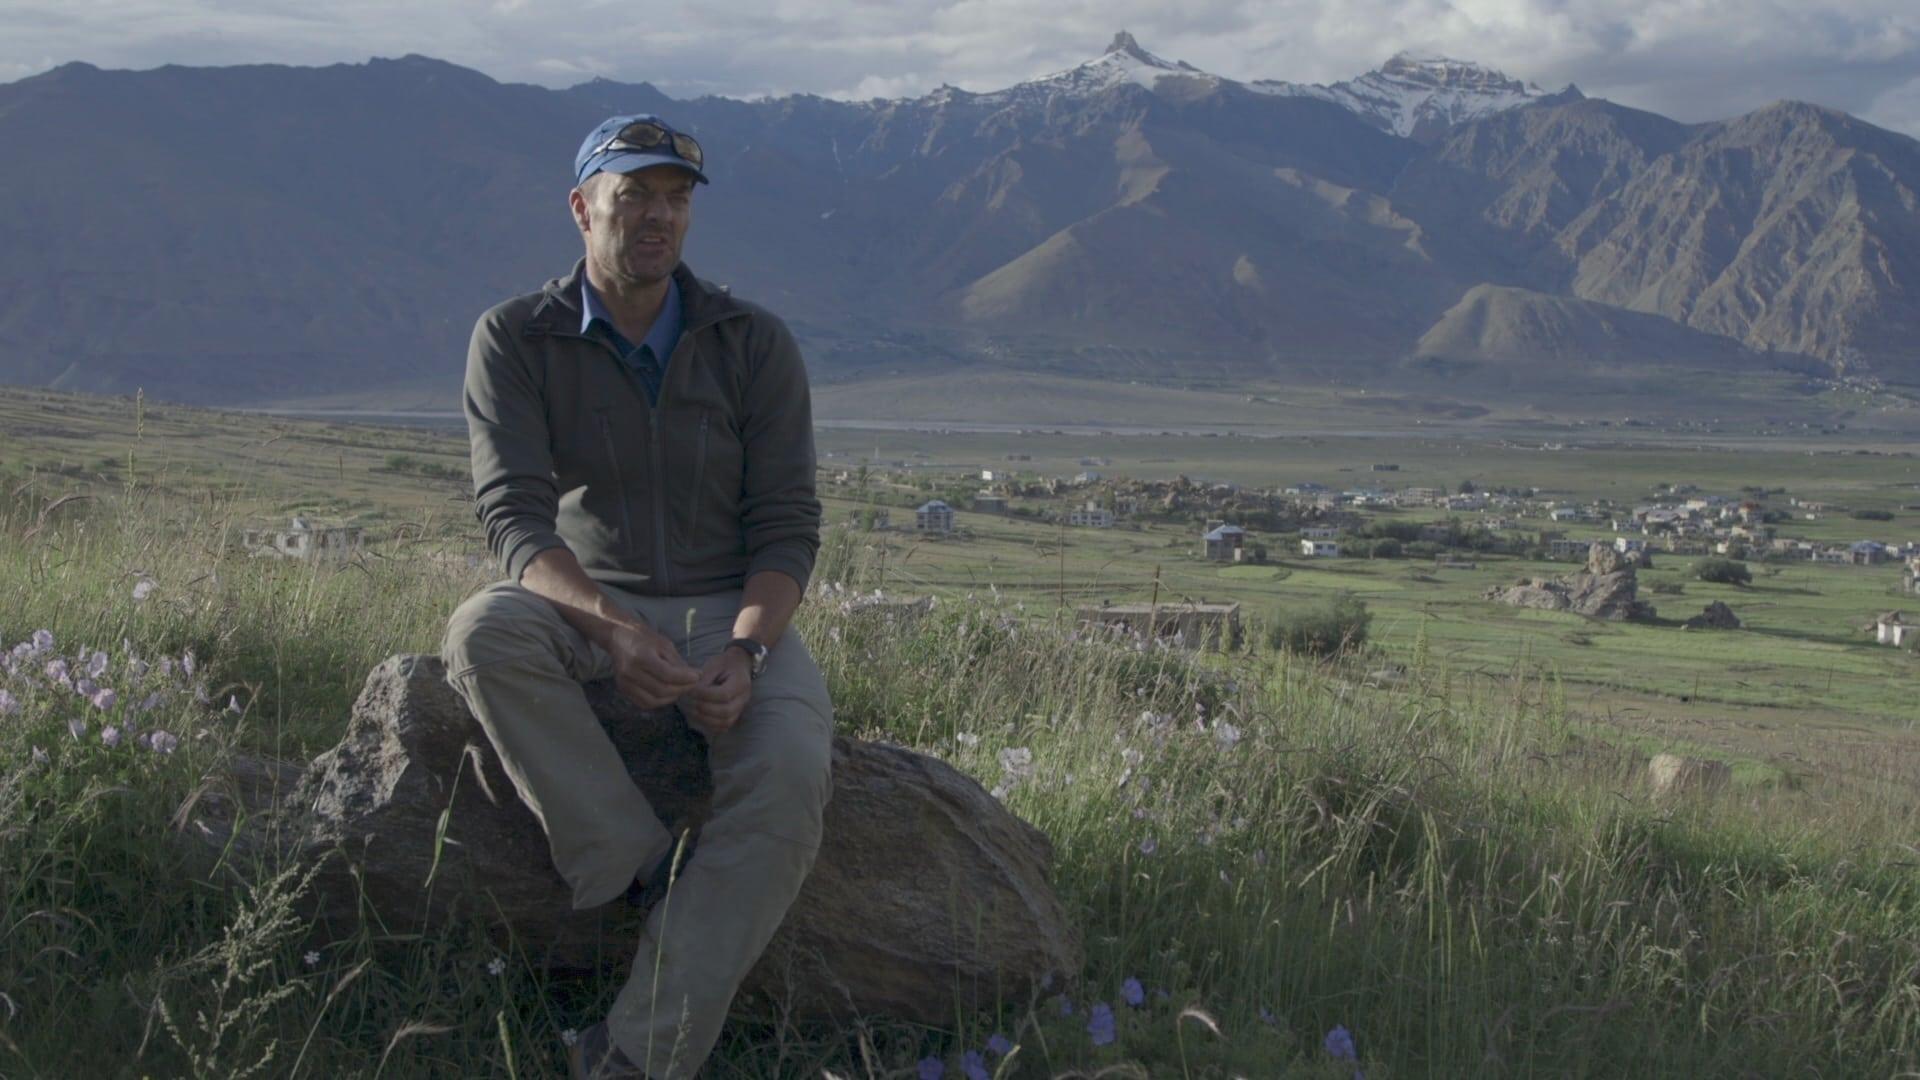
661	570
619	476
699	478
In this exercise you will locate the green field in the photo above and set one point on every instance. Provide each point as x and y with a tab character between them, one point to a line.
1442	843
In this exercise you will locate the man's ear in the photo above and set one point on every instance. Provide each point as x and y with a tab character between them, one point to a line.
577	203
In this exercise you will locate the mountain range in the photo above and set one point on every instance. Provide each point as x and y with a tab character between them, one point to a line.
258	233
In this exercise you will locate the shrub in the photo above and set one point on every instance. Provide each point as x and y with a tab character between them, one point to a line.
1339	623
1723	572
1386	547
1873	515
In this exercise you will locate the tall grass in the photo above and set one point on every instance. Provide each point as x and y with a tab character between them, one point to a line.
1464	878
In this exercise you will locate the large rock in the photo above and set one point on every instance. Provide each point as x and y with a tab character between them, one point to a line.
1717	616
927	895
1606	589
1674	774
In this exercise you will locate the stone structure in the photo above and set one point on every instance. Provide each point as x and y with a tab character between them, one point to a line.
304	540
1606	589
1193	625
928	896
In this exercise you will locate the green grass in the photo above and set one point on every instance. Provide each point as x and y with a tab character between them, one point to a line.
1456	871
1462	867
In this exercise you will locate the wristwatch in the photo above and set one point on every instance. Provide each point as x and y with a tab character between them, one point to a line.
756	654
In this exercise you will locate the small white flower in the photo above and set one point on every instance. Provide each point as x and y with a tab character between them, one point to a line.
1226	735
233	704
39	755
1017	762
187	663
496	967
569	1036
143	588
967	739
312	958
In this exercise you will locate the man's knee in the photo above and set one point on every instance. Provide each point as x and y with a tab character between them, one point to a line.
789	777
500	622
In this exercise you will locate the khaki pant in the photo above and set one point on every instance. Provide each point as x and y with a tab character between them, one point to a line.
519	666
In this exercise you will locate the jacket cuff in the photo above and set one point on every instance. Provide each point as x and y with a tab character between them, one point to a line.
521	551
793	558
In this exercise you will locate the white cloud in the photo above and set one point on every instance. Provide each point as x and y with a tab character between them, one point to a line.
1691	59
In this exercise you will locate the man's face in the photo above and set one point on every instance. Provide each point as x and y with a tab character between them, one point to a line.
634	223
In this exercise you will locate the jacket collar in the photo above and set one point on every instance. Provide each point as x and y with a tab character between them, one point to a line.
559	307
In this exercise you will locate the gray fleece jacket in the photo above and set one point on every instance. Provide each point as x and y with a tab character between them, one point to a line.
694	495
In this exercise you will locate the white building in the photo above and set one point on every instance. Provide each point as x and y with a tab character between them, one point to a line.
1092	515
1893	629
1319	532
1319	549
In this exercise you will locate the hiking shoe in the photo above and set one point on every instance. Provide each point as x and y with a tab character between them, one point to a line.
593	1056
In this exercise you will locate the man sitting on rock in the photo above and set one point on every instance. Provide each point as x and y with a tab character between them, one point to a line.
643	463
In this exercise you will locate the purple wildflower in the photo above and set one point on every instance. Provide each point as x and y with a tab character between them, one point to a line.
84	687
57	671
999	1045
110	735
1149	846
1132	993
97	665
42	641
1340	1044
1100	1024
932	1068
1066	1005
1267	1017
103	698
76	727
163	742
7	703
150	702
137	669
187	663
166	667
974	1066
40	755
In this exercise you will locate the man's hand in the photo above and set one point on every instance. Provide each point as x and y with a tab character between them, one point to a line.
720	695
647	669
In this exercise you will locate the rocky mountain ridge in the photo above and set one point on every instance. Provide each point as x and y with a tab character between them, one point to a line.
248	233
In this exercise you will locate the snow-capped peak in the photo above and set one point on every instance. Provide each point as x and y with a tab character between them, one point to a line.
1124	61
1422	95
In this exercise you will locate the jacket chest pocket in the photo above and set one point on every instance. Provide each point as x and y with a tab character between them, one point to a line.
706	508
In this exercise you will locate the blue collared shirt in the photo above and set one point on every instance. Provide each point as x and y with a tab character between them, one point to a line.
649	358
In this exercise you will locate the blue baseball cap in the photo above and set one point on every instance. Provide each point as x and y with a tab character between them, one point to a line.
624	144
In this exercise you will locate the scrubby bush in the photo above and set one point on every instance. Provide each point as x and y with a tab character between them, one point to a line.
1723	572
1873	515
1339	623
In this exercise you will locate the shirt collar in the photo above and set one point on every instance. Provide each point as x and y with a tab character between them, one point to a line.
661	336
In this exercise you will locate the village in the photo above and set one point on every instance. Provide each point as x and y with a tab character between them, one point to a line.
1305	523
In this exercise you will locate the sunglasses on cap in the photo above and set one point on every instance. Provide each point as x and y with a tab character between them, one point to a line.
651	135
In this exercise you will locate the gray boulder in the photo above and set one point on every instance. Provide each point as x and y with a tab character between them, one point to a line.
1717	616
1606	589
927	895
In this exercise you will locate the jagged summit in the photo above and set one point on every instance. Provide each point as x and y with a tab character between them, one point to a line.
1124	61
1422	95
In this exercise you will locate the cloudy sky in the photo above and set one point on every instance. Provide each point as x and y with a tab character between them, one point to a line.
1690	59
